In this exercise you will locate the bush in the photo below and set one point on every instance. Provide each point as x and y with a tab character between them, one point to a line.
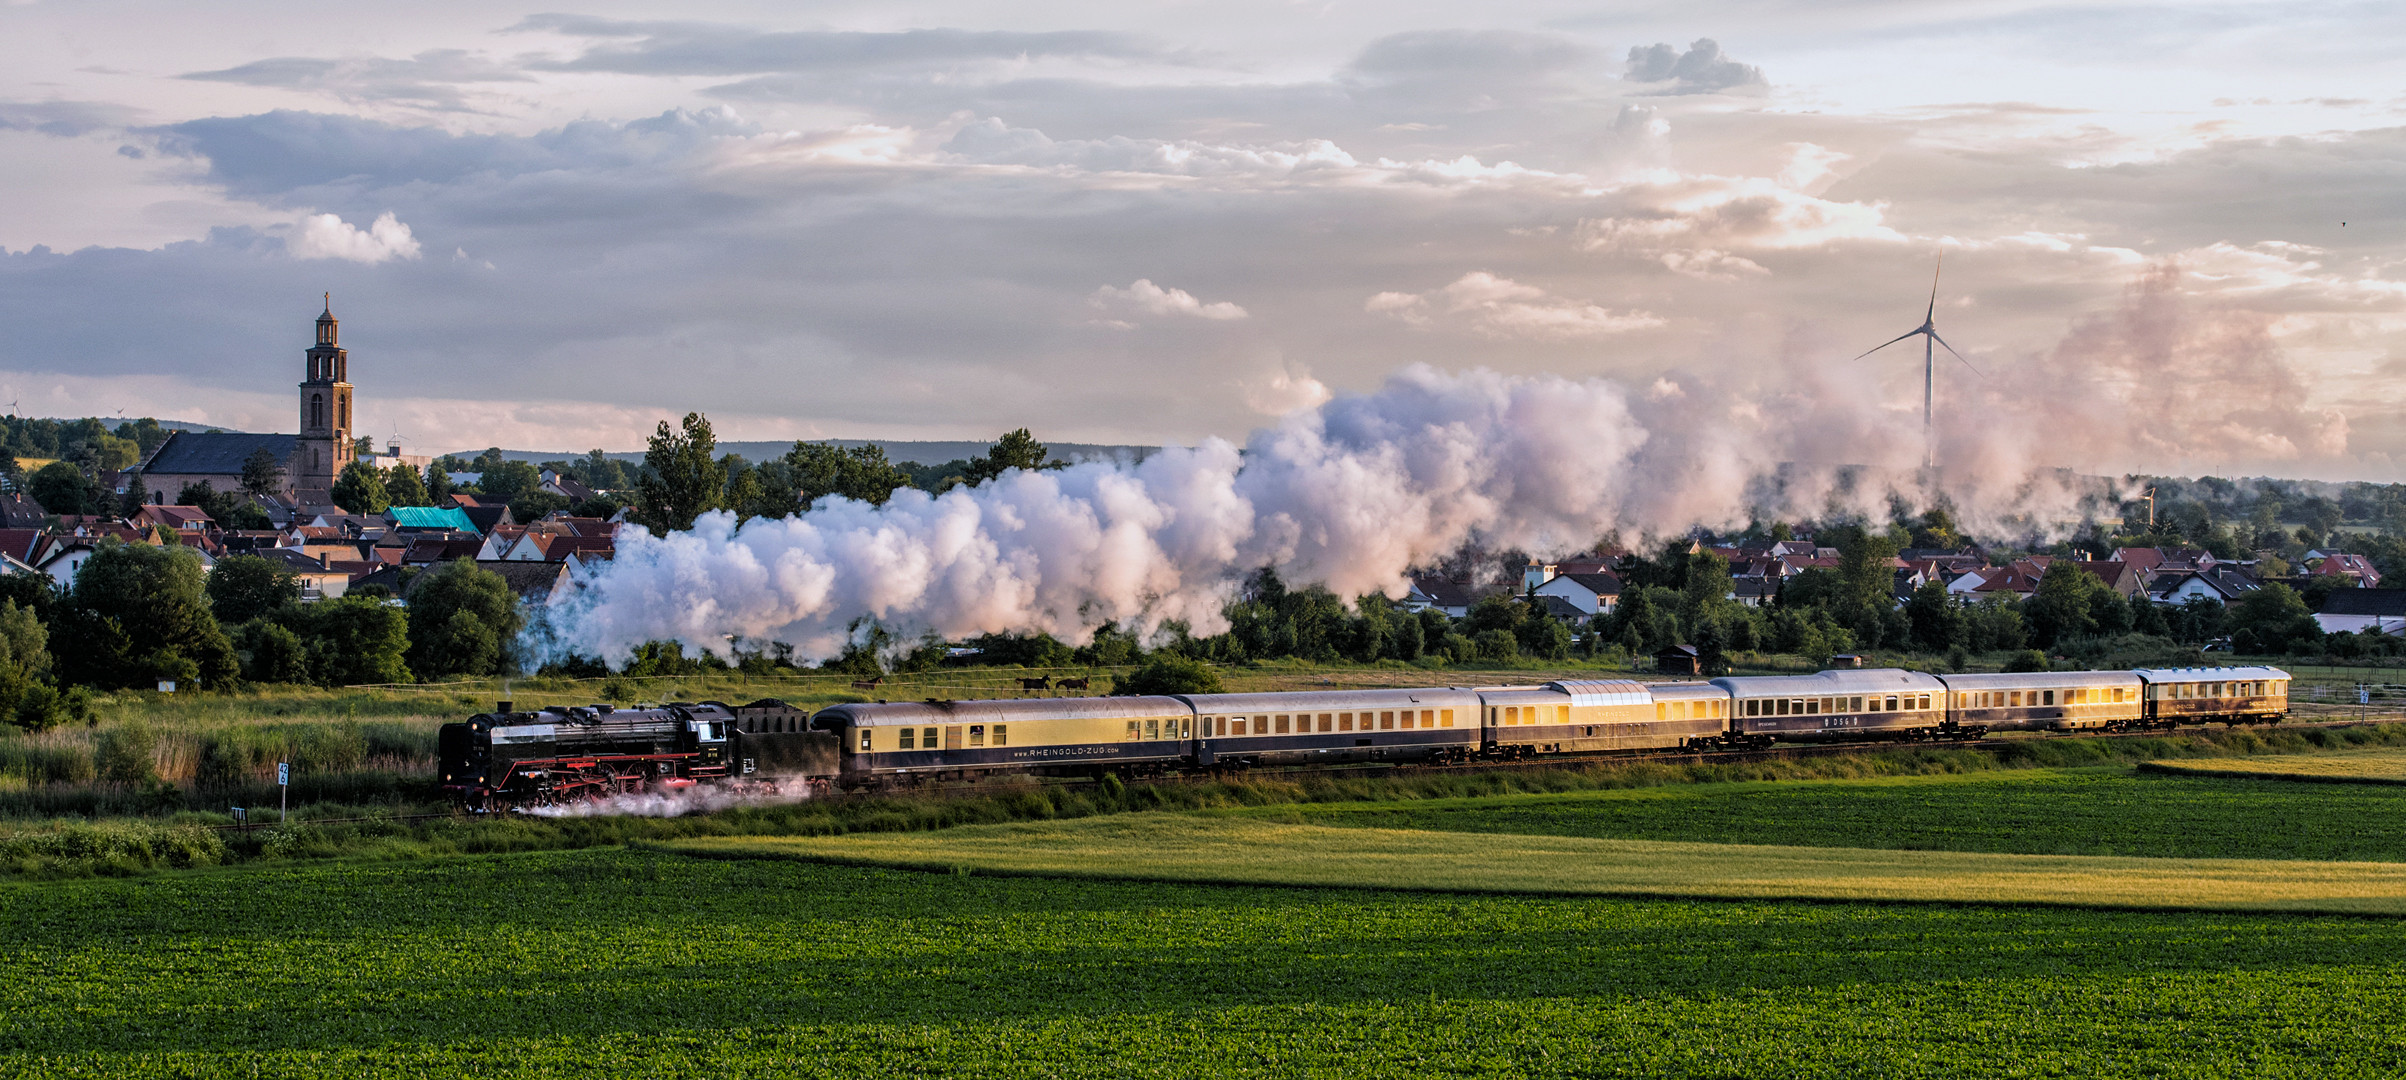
2027	660
1495	645
1171	673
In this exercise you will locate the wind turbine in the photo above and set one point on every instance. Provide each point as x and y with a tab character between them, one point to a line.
1928	330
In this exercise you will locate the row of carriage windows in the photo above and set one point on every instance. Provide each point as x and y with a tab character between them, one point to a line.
1859	703
980	735
1691	710
1307	723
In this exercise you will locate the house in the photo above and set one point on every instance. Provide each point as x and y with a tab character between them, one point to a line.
415	519
429	549
320	578
2348	611
566	487
2177	587
1591	594
1563	609
1454	598
483	516
19	512
532	582
214	458
1679	660
1753	592
174	518
2121	577
2342	564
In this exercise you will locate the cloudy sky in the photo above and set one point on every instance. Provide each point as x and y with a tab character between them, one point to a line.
548	227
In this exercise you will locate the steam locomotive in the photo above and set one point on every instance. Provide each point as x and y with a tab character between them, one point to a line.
509	759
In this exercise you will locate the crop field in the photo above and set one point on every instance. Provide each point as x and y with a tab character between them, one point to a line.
627	963
1185	848
2382	766
2089	811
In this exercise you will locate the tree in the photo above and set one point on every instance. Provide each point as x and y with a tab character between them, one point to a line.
506	480
62	488
136	494
438	483
2274	619
271	653
360	489
1016	450
352	640
462	619
138	614
262	474
2068	603
1937	619
402	487
246	587
681	476
1169	673
819	470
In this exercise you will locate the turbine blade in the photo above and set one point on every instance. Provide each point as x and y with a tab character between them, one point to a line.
1959	356
1932	313
1891	341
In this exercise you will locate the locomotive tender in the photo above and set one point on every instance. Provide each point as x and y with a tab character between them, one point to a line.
510	759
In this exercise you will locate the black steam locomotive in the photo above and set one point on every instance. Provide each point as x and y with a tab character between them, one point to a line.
585	752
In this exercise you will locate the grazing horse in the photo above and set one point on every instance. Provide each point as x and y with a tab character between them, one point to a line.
1045	683
1071	684
867	684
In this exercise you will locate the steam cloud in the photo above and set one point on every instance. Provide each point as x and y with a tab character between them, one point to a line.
1365	488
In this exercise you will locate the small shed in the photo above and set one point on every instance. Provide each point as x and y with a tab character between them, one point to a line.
1846	660
1679	660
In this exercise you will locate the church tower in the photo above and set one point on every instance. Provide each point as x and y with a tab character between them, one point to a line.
325	445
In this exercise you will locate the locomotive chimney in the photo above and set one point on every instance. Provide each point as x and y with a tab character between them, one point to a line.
502	706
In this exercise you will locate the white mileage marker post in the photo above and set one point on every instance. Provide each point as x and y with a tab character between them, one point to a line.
283	789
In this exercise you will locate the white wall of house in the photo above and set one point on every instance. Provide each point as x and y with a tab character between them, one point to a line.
1580	596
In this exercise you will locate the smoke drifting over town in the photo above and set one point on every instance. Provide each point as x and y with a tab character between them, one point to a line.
1363	489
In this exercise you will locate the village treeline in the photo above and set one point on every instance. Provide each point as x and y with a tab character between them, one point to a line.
148	615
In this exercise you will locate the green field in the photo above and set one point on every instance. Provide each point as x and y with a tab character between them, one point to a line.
622	963
2383	766
2093	811
1218	850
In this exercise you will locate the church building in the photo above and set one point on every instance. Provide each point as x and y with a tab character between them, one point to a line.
310	460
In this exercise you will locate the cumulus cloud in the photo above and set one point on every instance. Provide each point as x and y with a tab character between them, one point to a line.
1144	296
328	236
1700	70
1503	308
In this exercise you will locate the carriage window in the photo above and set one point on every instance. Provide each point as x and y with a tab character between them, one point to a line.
1344	721
2047	697
906	743
1662	710
1444	719
1386	720
1152	729
1428	718
1220	726
864	739
1891	706
1282	724
1002	734
2014	699
977	734
1328	722
1135	731
1236	725
927	738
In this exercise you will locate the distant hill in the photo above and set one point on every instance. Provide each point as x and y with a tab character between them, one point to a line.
916	453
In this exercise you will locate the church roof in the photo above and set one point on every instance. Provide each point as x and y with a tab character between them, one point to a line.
214	453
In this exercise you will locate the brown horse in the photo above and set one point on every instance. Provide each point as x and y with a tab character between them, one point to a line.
867	684
1036	684
1071	684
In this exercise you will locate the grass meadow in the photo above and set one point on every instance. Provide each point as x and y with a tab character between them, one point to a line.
560	964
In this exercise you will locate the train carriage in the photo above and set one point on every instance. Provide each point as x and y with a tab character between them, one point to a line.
2238	695
1334	727
1873	703
1044	736
2046	701
1582	716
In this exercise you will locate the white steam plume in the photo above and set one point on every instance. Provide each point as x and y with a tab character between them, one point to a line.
1367	487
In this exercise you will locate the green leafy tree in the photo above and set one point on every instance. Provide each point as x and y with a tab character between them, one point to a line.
1169	673
271	653
62	488
2273	619
262	474
137	614
2068	603
438	483
462	619
1016	450
1993	624
403	487
507	480
360	489
819	470
352	640
681	476
246	587
136	494
1937	619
